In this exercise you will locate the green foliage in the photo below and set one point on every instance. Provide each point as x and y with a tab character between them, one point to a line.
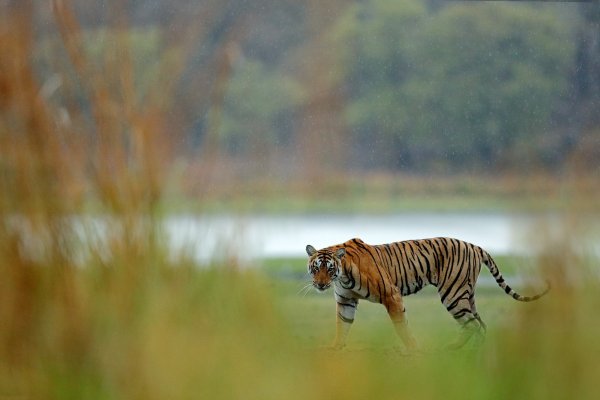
258	100
142	47
373	39
460	86
497	75
465	85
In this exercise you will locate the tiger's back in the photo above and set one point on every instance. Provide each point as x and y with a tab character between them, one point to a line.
413	264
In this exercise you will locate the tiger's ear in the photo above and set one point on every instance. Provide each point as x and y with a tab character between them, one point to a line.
340	253
310	250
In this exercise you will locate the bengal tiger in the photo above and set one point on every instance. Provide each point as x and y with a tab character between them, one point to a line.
387	272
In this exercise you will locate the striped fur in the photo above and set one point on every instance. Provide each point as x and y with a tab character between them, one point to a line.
384	273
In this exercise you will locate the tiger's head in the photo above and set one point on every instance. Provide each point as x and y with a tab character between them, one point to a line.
324	266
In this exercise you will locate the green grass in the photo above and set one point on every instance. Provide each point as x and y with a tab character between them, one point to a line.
382	193
372	330
377	203
527	349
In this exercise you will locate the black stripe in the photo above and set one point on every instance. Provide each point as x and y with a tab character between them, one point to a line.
461	313
453	285
343	297
457	297
359	276
367	249
436	259
347	304
446	264
494	268
428	271
347	320
388	252
447	260
407	267
348	273
415	261
399	268
394	264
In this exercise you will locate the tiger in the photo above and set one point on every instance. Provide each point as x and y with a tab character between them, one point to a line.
386	273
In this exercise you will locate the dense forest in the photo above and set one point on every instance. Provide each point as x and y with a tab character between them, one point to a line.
413	86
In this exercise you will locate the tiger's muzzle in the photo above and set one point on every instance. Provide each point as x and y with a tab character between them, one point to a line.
321	287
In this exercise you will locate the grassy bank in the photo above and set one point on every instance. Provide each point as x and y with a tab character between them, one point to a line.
388	192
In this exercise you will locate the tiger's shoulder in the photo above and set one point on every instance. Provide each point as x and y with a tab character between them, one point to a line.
355	242
355	247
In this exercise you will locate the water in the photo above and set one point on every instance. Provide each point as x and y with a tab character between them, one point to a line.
267	236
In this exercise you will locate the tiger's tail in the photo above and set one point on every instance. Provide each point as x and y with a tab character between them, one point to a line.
489	262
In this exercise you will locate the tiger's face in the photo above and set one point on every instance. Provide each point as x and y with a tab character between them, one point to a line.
324	266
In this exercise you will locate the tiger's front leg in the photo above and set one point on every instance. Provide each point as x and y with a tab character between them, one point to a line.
395	308
346	308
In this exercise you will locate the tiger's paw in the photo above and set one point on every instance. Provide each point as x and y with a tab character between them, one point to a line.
335	347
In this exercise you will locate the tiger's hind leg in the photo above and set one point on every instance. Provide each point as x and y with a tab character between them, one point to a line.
483	329
464	312
483	325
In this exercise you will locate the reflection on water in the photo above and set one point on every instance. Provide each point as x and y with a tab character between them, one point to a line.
259	236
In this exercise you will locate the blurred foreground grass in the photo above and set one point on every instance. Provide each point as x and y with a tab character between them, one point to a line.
180	332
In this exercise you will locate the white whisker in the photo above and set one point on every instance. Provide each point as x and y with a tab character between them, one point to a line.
304	289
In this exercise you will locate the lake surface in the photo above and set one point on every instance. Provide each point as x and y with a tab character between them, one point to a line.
267	236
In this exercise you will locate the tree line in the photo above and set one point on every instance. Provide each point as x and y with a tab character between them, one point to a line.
459	87
419	86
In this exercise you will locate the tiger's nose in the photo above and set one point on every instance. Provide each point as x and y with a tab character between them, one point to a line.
321	285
